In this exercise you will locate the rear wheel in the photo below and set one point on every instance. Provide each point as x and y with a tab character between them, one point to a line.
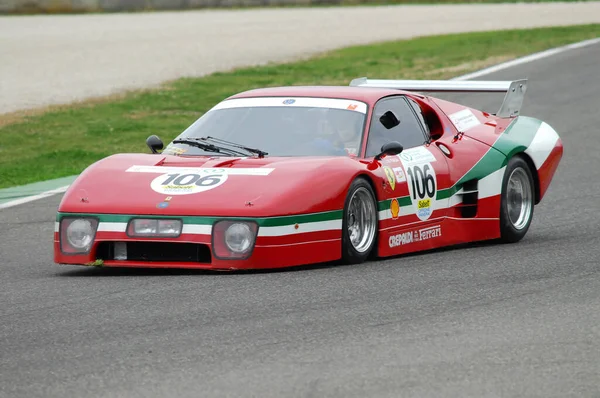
517	200
359	225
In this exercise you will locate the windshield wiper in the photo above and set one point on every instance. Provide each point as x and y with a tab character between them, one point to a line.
207	147
261	154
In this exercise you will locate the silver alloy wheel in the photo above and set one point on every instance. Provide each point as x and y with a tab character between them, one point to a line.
519	198
361	220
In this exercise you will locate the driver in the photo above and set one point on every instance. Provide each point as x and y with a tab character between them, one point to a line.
341	130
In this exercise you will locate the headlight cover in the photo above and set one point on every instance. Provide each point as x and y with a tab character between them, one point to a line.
233	239
77	234
154	228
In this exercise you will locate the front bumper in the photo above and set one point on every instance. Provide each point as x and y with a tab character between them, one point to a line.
293	244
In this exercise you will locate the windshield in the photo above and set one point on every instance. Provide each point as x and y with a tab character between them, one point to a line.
298	126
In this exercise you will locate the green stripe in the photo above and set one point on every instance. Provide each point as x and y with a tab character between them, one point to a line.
200	220
402	201
516	138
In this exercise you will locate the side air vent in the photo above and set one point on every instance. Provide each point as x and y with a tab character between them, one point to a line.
469	194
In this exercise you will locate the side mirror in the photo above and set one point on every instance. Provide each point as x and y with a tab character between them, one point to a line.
389	120
154	143
391	148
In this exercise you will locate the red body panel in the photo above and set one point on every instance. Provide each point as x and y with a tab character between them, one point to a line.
305	187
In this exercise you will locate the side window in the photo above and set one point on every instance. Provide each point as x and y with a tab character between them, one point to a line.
419	113
409	132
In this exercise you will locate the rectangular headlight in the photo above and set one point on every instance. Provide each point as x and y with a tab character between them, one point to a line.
150	227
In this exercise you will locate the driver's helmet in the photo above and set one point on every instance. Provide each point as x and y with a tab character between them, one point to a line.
339	127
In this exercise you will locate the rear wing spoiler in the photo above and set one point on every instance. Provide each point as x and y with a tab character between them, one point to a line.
511	106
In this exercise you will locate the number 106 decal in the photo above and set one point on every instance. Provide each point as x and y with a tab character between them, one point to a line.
187	183
422	188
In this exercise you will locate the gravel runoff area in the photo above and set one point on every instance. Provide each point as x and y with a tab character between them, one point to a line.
64	58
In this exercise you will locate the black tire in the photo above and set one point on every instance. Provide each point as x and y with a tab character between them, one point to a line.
350	255
512	230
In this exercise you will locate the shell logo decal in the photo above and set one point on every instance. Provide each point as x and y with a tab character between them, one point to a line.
395	208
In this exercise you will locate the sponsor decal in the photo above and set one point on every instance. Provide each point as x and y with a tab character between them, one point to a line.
352	107
424	208
416	155
390	177
415	236
395	208
399	173
401	239
162	205
289	101
428	233
464	120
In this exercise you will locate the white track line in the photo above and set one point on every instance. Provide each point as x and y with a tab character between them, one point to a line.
486	71
527	59
32	198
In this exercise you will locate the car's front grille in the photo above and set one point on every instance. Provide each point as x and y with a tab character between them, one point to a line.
154	251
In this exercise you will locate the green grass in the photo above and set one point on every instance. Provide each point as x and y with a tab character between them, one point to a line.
62	8
63	141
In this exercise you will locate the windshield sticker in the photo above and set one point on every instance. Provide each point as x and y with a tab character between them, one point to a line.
464	120
262	171
306	102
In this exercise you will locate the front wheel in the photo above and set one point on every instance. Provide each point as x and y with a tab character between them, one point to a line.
359	225
517	201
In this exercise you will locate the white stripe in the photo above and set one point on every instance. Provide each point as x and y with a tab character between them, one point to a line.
261	171
542	145
27	199
526	59
404	211
196	229
333	103
403	225
56	226
301	243
491	185
112	227
302	228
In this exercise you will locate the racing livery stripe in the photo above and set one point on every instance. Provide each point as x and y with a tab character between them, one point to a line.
302	228
525	134
542	145
204	220
518	135
112	226
402	201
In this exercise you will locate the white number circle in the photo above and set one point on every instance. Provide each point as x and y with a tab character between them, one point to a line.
188	183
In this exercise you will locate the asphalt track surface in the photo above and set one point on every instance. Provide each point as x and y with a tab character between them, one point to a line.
484	320
63	58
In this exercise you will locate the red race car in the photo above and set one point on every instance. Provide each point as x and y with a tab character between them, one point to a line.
286	176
